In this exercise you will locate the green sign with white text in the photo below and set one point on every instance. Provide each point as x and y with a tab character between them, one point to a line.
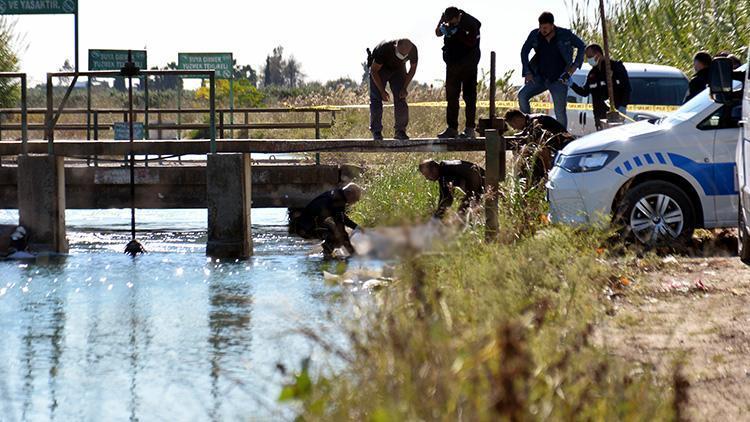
222	63
38	7
115	59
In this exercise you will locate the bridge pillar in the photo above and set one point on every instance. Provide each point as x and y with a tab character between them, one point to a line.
228	194
41	201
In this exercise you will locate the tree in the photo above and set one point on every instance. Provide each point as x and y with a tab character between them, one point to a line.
245	93
273	72
9	91
341	84
666	32
365	74
292	72
66	67
280	72
166	82
245	72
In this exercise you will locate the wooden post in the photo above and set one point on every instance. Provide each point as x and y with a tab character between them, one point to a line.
495	173
613	116
493	90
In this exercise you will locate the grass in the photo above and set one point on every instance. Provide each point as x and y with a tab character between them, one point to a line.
477	331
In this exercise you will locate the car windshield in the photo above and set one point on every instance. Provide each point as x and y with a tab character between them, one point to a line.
658	91
689	109
696	105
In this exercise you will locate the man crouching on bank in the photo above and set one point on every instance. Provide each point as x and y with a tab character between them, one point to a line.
325	218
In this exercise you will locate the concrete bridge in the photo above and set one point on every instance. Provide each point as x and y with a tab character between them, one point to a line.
228	183
182	185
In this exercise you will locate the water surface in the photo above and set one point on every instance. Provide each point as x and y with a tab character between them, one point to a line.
167	336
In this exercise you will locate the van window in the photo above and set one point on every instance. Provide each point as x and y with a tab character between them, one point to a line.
658	91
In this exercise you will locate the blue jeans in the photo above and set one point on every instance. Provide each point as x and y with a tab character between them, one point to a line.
558	91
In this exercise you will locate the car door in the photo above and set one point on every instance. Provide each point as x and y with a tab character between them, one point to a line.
744	158
725	125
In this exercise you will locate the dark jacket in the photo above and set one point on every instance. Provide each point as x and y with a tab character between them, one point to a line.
464	43
545	122
329	204
566	42
699	82
464	175
596	86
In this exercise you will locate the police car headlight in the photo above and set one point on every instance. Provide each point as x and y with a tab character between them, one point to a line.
584	163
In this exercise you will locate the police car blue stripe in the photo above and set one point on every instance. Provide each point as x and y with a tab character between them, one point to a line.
648	158
715	178
627	165
638	161
661	158
618	170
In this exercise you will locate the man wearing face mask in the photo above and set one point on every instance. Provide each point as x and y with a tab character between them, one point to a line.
552	65
460	32
596	84
387	64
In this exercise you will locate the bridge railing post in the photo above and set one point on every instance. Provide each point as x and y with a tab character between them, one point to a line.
317	135
494	174
24	117
221	125
49	130
212	105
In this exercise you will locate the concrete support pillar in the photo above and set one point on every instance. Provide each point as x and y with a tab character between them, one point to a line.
41	201
228	192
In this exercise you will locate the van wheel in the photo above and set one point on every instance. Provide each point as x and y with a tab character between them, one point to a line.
656	213
744	241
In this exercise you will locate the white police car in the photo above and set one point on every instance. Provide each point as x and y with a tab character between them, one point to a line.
659	178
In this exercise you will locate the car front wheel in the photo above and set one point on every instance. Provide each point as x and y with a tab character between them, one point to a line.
656	213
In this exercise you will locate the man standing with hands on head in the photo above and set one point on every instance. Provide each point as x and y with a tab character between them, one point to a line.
460	32
552	66
388	65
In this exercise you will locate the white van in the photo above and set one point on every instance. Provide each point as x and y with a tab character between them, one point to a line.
651	84
742	158
661	178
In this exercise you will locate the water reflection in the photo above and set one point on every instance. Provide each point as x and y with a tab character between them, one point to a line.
229	318
167	336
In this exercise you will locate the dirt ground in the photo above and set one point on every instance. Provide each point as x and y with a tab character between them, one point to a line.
697	310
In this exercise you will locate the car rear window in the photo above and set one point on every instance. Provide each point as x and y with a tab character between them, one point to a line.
658	91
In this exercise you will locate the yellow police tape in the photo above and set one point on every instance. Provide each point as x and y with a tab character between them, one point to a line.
510	104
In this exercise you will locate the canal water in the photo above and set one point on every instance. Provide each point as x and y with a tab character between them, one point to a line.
168	336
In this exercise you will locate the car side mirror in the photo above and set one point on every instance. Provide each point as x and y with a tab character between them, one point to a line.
721	84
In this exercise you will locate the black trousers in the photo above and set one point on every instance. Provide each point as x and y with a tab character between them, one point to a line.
461	76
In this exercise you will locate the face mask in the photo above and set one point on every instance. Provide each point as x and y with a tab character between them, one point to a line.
399	55
592	61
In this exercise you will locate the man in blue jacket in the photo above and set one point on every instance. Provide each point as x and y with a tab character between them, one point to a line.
552	66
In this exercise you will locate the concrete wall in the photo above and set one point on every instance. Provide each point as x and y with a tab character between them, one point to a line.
288	186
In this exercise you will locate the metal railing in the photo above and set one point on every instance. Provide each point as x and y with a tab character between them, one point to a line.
52	115
95	125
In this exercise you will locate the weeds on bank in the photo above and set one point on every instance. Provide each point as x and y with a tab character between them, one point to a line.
483	331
